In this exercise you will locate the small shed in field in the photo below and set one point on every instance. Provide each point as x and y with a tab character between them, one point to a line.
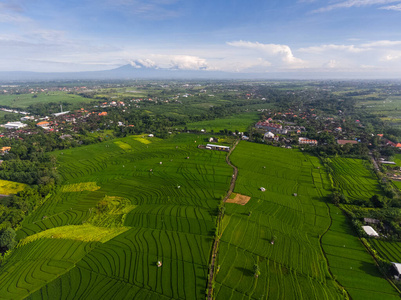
370	231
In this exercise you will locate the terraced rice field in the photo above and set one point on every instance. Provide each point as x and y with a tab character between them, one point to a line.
312	239
353	178
163	196
348	259
388	250
294	267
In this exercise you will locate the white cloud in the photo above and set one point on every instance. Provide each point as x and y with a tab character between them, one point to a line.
396	7
382	43
353	3
332	47
282	51
331	64
187	62
147	63
179	62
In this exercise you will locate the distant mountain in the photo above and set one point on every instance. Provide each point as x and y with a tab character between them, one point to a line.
123	72
140	71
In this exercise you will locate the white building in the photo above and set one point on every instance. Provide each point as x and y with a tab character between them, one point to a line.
14	125
370	231
269	135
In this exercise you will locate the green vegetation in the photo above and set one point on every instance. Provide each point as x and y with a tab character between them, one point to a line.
10	187
351	264
282	234
153	202
23	101
354	180
388	250
238	122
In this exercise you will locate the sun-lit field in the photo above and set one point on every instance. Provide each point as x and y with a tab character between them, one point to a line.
24	100
121	212
278	229
10	187
298	240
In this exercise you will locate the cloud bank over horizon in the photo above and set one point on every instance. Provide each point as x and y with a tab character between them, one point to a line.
302	36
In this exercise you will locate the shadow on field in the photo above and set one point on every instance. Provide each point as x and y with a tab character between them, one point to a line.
246	272
369	268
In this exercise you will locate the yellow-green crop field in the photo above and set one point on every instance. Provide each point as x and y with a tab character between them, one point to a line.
10	187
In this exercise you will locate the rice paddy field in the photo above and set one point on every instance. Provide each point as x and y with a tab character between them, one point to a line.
239	122
24	100
354	179
315	254
294	266
387	249
386	109
123	206
348	259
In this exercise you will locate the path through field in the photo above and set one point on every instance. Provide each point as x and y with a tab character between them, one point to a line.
216	240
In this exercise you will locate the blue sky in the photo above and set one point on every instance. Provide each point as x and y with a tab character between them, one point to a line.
295	37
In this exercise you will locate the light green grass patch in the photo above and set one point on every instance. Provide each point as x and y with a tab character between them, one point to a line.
84	233
123	145
10	187
80	187
142	139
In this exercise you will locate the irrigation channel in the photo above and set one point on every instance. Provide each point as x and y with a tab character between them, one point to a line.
220	216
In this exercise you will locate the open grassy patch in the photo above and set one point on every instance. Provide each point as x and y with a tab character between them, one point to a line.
84	233
142	139
80	187
123	145
10	187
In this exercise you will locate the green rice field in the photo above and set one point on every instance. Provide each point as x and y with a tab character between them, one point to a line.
24	100
315	254
353	178
159	201
348	259
239	122
294	267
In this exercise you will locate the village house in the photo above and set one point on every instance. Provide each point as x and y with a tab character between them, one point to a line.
43	124
4	150
14	125
306	141
343	142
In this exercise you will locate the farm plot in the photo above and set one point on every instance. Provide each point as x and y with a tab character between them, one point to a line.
38	263
387	249
353	178
350	262
159	200
278	229
348	259
239	122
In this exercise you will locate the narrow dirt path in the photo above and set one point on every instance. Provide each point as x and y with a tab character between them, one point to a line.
217	240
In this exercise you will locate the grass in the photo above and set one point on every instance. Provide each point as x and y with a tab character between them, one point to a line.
294	267
239	122
24	100
80	187
349	261
169	210
10	187
354	179
387	249
84	233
